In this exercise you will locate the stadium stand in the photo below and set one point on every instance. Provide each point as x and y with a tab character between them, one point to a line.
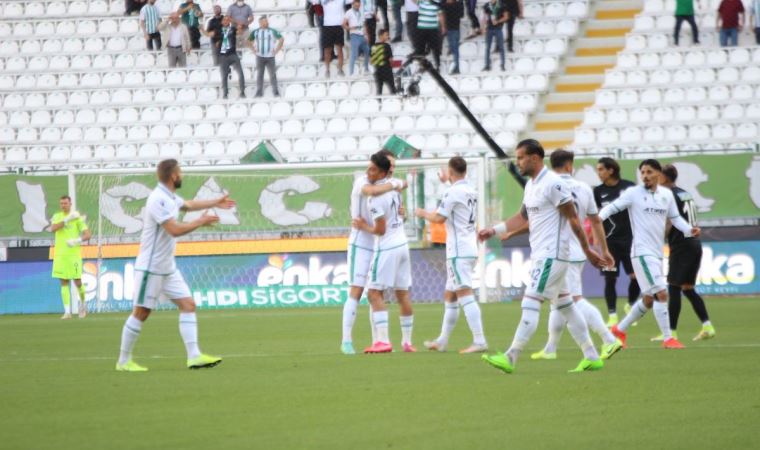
79	88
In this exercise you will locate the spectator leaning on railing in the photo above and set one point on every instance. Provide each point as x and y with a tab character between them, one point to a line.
177	39
150	18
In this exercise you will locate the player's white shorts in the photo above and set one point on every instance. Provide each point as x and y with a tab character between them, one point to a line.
150	289
459	273
574	278
359	259
649	274
547	279
391	269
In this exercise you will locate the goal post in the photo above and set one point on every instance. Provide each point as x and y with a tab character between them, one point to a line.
281	208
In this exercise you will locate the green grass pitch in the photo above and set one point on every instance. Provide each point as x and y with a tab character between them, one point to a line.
284	385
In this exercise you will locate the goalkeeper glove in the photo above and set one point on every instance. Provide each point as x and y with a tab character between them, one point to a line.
74	242
73	215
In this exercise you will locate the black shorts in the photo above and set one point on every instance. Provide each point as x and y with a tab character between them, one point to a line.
332	36
621	251
684	262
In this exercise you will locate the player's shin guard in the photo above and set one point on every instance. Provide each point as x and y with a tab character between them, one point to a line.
472	314
595	320
129	335
578	328
637	312
349	317
674	305
188	329
697	303
556	324
531	312
662	317
66	299
450	318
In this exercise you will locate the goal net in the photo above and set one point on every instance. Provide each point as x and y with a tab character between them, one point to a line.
288	230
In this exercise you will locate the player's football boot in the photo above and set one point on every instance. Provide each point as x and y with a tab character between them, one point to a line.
499	361
543	355
130	366
409	348
379	347
66	316
82	310
203	362
612	320
610	349
707	332
586	365
474	348
434	346
347	348
660	337
619	334
672	343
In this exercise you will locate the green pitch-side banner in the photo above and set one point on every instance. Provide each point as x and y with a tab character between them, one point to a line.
723	186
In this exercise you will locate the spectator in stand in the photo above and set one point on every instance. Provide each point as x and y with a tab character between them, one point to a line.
514	11
685	12
228	55
177	39
150	17
332	34
266	44
242	16
472	13
191	17
730	21
131	6
369	12
382	8
353	23
755	14
495	16
412	12
453	11
214	32
396	9
381	60
430	27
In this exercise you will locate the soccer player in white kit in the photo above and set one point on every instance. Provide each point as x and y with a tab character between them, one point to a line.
156	273
391	264
649	206
583	197
458	209
361	247
549	211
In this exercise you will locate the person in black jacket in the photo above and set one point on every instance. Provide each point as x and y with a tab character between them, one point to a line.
619	236
214	32
684	260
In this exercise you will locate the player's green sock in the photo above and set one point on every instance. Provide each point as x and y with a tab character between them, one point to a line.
81	292
66	297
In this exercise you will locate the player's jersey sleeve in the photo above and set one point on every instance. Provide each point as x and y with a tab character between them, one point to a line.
672	206
81	226
446	207
356	197
620	204
591	208
557	193
377	206
675	217
160	209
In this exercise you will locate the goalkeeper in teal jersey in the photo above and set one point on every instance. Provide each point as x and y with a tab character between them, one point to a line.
70	231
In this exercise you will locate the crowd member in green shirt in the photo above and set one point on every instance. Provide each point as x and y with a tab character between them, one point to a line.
685	11
191	16
70	231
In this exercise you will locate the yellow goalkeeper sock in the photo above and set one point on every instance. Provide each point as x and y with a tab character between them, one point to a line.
81	292
66	297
